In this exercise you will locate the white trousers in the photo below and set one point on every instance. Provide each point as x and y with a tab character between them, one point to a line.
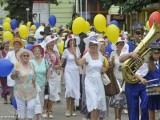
25	108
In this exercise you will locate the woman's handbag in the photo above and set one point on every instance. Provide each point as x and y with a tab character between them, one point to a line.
105	79
112	88
46	91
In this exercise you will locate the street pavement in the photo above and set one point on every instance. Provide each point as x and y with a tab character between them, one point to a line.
7	111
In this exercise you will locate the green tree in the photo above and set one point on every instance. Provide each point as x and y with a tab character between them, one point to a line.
17	8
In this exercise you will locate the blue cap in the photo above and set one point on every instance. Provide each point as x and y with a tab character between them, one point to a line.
137	26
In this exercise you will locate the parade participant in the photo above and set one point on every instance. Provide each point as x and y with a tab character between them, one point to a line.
71	75
94	88
3	80
118	102
17	44
135	92
24	88
41	67
54	61
147	72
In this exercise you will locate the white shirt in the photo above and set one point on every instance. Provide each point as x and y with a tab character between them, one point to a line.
125	50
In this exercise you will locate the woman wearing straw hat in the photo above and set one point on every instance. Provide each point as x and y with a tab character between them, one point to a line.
54	61
94	88
71	75
17	44
24	88
3	80
41	67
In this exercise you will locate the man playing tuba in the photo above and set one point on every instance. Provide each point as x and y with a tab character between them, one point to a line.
135	91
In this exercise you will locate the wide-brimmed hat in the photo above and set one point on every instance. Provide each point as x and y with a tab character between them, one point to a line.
46	31
92	39
39	46
20	52
18	40
72	37
51	38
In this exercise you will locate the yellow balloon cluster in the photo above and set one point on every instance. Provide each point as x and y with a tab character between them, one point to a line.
23	31
8	20
112	32
100	22
147	25
6	26
78	25
8	35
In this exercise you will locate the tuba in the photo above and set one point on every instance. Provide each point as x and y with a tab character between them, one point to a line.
130	66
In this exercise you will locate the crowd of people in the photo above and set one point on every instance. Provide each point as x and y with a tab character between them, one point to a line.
38	71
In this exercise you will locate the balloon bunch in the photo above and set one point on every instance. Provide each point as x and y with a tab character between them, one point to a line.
112	31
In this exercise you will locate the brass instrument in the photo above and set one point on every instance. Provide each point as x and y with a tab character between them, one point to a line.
130	66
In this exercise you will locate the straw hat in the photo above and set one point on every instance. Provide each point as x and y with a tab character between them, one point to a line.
20	52
17	40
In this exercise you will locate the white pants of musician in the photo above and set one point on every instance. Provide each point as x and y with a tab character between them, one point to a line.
25	108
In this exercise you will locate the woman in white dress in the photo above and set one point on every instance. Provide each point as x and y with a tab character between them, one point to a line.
71	75
94	88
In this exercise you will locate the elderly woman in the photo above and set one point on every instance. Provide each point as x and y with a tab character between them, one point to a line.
118	102
17	44
41	67
54	61
94	88
24	89
71	75
3	80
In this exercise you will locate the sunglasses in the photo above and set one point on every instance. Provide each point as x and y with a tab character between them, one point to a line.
25	55
139	33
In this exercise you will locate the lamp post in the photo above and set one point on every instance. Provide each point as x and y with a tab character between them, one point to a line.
27	9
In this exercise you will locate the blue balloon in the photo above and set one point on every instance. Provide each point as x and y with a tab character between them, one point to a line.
37	24
52	20
14	24
115	22
108	49
6	67
14	103
29	46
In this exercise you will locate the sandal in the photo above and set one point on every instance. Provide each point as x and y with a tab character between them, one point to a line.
68	114
50	115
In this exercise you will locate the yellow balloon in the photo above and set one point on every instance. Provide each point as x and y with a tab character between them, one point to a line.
61	47
112	32
23	31
8	35
147	25
34	28
87	27
106	62
78	25
8	20
100	22
28	24
6	26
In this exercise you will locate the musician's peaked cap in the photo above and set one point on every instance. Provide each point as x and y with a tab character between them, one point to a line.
138	26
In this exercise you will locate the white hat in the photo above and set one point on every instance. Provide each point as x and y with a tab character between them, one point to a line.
72	37
120	39
51	38
92	39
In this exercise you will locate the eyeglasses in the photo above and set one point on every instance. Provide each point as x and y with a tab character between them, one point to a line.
25	55
139	33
